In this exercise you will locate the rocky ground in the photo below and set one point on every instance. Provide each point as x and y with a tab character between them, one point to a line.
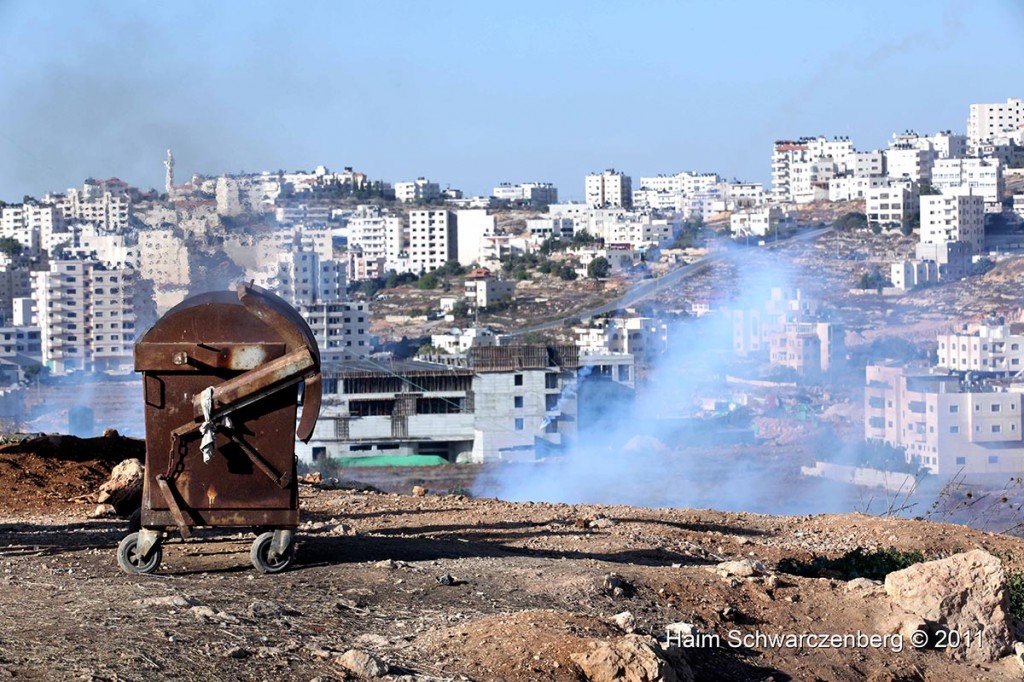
447	587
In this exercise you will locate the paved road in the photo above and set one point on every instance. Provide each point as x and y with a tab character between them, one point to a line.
650	287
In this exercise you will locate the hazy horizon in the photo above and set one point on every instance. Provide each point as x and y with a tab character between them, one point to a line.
472	94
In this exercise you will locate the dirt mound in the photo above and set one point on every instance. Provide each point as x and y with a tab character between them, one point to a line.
44	471
525	645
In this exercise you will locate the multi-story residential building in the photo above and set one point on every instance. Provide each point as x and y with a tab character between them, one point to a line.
302	213
755	222
316	288
810	348
30	224
473	225
537	193
15	283
419	189
164	260
893	204
868	164
854	187
375	240
459	341
501	403
611	189
942	145
947	425
87	315
997	348
740	195
971	176
953	218
802	168
551	228
484	290
987	121
912	273
908	161
642	337
433	239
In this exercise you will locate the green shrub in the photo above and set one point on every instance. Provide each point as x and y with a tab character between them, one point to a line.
856	563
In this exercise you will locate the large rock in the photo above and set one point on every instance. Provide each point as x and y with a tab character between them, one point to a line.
632	658
362	664
965	593
123	491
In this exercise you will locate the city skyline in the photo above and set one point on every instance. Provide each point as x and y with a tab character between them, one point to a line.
470	96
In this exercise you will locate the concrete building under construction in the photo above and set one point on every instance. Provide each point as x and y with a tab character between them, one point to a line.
503	403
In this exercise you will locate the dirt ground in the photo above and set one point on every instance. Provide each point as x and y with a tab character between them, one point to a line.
529	587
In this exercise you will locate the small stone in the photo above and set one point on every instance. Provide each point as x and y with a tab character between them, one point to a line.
601	523
625	621
419	491
237	652
102	511
386	563
447	579
174	600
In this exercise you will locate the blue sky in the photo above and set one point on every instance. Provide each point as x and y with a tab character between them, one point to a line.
470	94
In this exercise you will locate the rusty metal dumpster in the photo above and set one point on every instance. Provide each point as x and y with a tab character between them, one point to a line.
222	376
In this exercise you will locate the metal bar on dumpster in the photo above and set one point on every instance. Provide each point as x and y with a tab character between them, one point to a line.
258	383
280	480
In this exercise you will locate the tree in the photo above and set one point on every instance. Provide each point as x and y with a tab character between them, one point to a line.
583	238
567	273
10	246
599	268
460	309
852	221
927	190
429	281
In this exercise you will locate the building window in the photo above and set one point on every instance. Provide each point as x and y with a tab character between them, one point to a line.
517	401
996	428
519	424
319	452
551	426
995	407
993	459
550	380
953	409
961	460
518	381
954	429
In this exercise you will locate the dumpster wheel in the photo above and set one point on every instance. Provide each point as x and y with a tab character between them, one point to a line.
129	559
261	554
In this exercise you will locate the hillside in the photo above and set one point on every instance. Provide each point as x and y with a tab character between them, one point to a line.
445	587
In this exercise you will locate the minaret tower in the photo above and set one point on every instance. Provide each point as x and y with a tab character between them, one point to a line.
169	178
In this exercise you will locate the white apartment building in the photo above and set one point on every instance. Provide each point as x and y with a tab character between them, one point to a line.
809	348
947	426
752	327
483	290
906	161
802	168
303	278
854	187
941	145
550	228
86	315
473	225
642	337
740	195
987	121
892	204
459	341
433	239
638	232
971	176
755	222
868	164
611	189
376	240
908	274
341	328
15	283
30	224
164	259
953	218
419	189
997	348
531	192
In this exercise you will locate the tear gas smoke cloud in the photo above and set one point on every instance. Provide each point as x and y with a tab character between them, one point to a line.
652	452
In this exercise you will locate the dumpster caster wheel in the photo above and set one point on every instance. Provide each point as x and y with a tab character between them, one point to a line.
129	559
265	559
